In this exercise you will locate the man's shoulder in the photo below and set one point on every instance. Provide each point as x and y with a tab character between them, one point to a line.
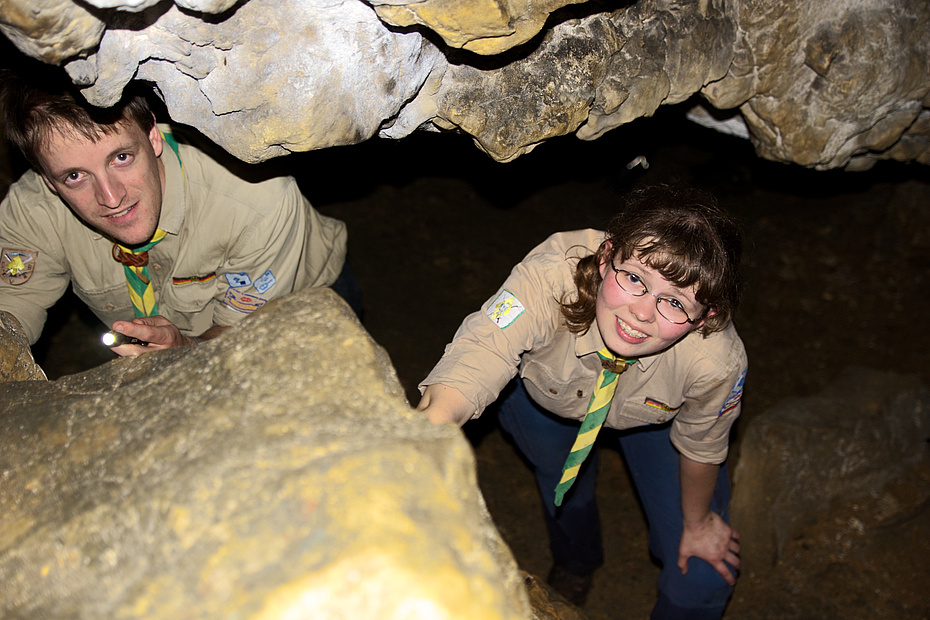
30	193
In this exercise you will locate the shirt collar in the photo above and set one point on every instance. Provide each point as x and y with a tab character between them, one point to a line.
591	342
172	202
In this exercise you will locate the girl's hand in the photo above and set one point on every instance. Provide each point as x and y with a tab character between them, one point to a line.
715	542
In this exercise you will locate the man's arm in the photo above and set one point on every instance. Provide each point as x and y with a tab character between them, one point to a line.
159	333
706	535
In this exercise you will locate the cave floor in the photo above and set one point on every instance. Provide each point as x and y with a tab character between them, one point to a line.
836	267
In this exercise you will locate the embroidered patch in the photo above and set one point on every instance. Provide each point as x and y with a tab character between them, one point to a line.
239	279
735	395
264	282
193	279
18	265
241	302
505	309
660	405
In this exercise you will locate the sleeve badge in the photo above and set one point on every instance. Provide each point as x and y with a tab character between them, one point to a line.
241	302
505	309
736	394
18	265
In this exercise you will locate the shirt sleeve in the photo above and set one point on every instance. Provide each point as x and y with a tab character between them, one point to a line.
262	262
522	315
701	430
33	273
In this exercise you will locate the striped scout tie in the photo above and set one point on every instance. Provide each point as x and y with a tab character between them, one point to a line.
593	419
138	279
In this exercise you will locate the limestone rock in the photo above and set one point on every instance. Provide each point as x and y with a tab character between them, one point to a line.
857	436
839	83
481	26
16	361
274	472
265	81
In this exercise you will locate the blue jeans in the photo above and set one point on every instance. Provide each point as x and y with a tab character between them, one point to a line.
574	528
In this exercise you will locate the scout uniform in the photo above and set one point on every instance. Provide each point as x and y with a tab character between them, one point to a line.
687	396
230	247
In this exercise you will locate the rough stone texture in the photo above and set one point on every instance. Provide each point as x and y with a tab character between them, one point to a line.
822	84
274	472
16	361
859	435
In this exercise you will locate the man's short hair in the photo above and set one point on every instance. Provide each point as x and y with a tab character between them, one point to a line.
33	109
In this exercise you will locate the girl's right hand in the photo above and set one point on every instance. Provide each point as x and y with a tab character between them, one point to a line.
445	405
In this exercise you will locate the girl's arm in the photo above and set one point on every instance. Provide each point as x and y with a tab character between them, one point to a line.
444	404
706	535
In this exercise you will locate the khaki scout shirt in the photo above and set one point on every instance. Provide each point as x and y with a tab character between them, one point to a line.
231	246
697	382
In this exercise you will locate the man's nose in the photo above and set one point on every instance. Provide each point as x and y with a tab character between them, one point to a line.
109	191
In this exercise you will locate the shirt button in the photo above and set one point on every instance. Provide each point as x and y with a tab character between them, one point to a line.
156	266
111	306
580	394
661	420
553	391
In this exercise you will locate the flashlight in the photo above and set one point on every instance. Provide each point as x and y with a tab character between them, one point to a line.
115	339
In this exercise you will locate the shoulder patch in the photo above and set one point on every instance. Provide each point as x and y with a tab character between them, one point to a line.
241	302
505	309
18	265
264	282
736	394
238	279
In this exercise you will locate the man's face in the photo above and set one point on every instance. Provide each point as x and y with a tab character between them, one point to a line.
114	184
631	326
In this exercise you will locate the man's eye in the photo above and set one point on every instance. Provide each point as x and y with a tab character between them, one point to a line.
123	157
73	176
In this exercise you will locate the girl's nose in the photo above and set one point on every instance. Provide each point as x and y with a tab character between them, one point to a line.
644	307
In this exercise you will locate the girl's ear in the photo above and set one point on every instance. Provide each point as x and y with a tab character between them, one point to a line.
606	254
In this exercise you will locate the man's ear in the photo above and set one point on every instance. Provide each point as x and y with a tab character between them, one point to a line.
158	144
51	186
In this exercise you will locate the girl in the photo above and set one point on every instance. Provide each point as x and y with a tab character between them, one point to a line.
630	329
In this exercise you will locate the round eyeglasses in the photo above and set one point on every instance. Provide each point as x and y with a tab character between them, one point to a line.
669	307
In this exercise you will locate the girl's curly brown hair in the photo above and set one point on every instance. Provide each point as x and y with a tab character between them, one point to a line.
684	235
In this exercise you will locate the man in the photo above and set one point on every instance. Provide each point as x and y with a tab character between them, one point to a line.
164	245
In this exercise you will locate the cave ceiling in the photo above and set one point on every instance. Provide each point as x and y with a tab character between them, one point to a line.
819	83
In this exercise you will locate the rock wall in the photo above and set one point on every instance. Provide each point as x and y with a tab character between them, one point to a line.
275	472
838	83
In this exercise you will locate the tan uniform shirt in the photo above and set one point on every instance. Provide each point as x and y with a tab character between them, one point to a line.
697	382
231	246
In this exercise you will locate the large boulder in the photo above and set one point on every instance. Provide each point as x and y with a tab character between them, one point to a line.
274	472
862	433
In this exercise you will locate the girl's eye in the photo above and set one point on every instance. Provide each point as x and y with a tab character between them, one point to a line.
634	279
674	303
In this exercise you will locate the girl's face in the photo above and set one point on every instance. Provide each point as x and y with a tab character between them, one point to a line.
631	326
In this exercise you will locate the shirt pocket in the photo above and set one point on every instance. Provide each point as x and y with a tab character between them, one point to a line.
646	410
190	297
567	397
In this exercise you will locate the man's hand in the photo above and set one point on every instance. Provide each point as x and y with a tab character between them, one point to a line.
714	542
157	331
